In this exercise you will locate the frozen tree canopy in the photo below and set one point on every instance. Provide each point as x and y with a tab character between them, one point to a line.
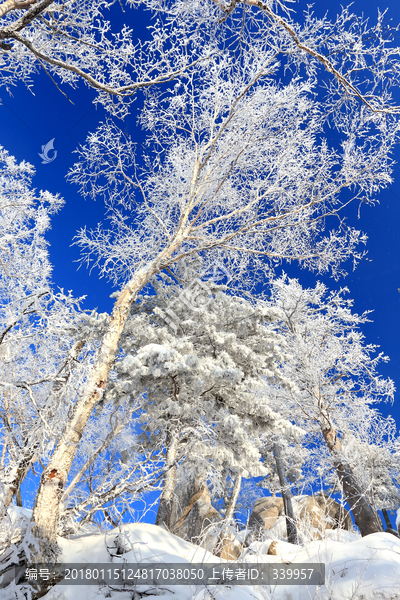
205	382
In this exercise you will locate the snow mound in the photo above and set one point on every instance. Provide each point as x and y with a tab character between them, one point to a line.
362	569
139	542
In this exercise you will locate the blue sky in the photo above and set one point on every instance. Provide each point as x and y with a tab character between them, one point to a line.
31	120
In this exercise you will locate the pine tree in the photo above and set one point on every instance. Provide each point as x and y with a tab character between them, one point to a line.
204	380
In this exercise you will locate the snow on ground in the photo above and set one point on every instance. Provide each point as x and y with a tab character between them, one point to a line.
142	542
366	568
356	568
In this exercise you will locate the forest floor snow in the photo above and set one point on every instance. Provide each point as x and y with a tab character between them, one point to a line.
356	568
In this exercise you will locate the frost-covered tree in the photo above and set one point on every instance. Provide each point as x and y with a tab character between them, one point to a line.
112	471
372	449
237	169
38	348
112	468
297	461
344	47
204	380
46	349
76	42
337	380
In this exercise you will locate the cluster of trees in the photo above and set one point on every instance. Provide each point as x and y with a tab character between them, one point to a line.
237	171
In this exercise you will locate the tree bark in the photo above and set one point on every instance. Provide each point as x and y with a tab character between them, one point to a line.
365	517
54	477
9	5
164	512
13	488
287	497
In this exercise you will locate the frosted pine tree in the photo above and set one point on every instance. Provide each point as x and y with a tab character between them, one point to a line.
204	380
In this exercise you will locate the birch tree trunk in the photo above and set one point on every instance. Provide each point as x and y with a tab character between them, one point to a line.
164	512
9	5
365	517
54	476
286	496
235	494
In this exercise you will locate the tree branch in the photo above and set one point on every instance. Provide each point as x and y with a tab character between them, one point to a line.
347	85
127	90
10	5
26	19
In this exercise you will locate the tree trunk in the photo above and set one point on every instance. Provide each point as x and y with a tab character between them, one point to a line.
13	488
387	518
287	497
222	538
54	476
235	494
10	5
164	512
366	519
47	503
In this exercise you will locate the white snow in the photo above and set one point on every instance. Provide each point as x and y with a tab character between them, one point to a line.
144	543
356	568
